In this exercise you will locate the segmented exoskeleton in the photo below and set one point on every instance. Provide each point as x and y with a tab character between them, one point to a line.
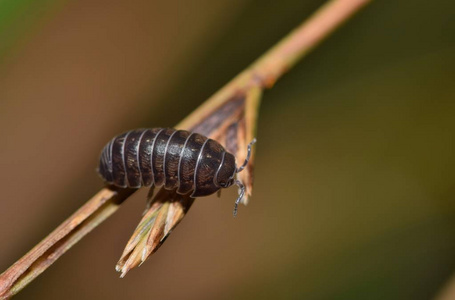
176	159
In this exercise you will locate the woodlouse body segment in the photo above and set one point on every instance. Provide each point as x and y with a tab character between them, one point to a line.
131	158
158	152
145	155
118	163
176	159
172	158
207	166
188	160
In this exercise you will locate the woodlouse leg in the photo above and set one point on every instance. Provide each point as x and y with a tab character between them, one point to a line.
241	194
247	156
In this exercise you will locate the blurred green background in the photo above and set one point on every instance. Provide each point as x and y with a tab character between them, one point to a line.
354	177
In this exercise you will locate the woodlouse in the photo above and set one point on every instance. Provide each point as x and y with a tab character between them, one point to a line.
176	159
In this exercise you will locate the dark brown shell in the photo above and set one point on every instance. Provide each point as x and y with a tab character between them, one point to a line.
175	159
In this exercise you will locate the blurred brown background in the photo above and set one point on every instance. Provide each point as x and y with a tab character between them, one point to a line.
354	182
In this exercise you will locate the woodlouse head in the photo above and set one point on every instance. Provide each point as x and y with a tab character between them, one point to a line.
225	175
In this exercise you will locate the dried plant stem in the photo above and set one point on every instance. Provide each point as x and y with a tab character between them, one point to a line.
90	215
447	292
283	56
261	74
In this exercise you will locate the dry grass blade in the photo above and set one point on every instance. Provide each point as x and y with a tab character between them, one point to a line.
229	116
165	213
90	215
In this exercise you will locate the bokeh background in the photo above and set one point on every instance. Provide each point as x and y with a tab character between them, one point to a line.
355	166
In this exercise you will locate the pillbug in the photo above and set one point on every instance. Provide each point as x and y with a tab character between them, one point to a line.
176	159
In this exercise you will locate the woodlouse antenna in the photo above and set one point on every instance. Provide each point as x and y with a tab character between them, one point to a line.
237	182
242	192
247	156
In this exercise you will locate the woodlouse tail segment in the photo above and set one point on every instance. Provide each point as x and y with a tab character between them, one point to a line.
241	194
247	156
